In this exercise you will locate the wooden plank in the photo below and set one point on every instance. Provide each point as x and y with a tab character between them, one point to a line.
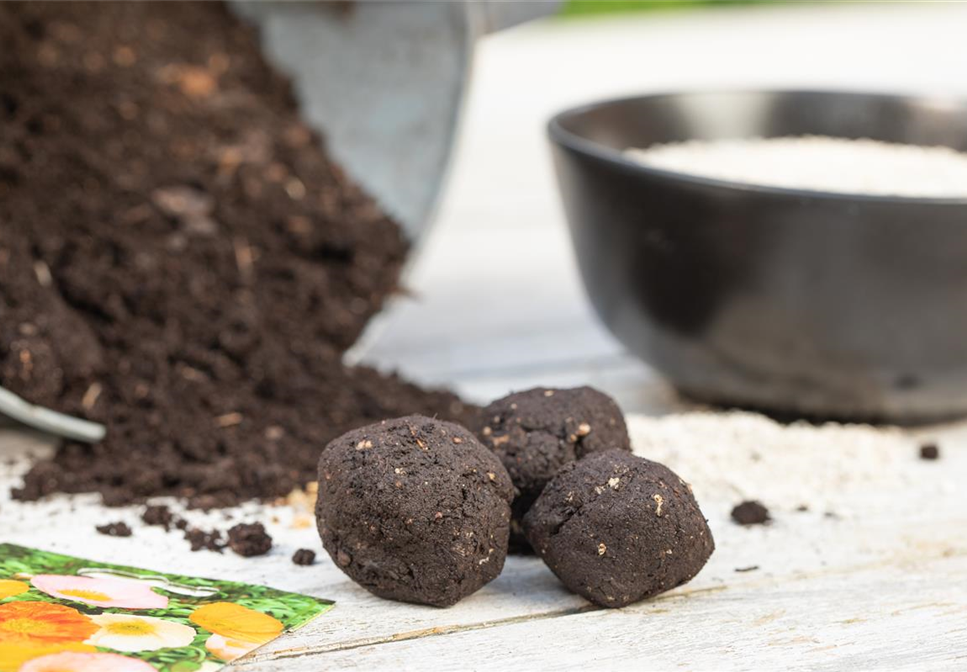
836	620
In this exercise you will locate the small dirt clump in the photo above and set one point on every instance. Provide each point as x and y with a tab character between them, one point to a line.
119	529
616	528
538	431
930	451
204	540
750	512
158	515
180	259
304	557
249	540
414	509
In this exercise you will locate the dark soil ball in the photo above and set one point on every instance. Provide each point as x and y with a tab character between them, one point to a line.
616	529
536	432
414	509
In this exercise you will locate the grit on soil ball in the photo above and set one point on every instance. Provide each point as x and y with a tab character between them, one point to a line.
538	431
414	509
616	528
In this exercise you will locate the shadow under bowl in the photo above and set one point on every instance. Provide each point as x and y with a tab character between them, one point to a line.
832	305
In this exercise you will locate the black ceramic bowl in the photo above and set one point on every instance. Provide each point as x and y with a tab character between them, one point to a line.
793	301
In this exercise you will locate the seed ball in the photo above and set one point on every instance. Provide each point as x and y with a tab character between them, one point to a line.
616	528
414	509
536	432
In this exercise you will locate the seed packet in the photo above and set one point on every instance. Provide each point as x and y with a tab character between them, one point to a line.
60	613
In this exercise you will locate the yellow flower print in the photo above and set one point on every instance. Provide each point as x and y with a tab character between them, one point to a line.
9	588
235	622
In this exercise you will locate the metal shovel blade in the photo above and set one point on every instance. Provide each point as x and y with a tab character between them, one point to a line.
47	420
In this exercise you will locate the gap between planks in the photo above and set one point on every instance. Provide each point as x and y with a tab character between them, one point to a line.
416	634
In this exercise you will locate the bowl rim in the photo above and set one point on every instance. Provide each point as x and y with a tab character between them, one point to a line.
577	143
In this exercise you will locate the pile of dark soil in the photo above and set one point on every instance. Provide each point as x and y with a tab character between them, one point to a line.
179	259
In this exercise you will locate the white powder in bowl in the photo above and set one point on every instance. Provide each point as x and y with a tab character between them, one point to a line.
818	163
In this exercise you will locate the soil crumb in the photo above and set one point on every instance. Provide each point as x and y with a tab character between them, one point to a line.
304	557
249	539
204	540
158	514
179	258
750	513
930	451
120	529
246	540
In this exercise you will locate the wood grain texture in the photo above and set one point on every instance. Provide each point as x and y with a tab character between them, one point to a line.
834	620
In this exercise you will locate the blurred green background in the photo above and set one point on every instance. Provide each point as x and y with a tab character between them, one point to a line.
591	7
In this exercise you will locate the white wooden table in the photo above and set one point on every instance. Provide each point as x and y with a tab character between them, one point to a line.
878	585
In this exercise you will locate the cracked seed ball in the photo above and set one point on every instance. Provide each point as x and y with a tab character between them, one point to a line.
616	528
414	509
536	432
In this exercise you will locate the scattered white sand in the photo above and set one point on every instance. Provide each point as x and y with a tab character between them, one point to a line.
818	163
737	455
